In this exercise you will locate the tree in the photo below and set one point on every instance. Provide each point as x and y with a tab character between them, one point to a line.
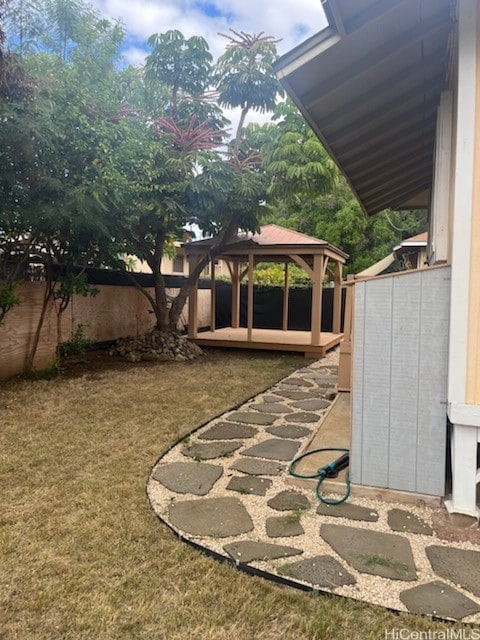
308	194
183	176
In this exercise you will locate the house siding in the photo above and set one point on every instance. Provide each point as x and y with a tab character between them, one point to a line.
400	381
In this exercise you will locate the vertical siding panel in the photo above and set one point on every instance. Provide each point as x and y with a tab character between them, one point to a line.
433	360
356	464
376	380
404	382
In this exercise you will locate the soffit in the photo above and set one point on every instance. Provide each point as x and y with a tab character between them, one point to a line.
369	85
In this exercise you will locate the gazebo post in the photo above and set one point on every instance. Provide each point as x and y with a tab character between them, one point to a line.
250	298
285	300
213	295
317	287
192	302
236	295
337	298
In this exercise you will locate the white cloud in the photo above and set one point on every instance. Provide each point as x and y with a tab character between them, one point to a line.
290	21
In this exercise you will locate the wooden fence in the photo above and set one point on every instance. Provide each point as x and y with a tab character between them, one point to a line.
117	311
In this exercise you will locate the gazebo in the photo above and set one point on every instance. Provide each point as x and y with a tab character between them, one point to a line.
278	245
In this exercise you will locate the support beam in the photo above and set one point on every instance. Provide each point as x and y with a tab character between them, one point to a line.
213	296
236	295
337	299
193	302
319	266
285	300
250	298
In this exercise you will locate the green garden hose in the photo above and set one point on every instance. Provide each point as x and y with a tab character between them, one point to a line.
328	471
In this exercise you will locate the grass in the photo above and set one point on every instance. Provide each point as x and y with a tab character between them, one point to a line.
81	553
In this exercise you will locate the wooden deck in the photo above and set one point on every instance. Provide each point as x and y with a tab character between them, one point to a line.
270	339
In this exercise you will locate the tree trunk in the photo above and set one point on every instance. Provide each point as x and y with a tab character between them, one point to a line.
46	299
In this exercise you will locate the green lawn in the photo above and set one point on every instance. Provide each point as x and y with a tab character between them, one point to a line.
81	553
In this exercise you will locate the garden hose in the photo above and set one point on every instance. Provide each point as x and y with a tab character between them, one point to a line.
328	471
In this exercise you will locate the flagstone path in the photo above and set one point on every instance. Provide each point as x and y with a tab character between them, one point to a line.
226	488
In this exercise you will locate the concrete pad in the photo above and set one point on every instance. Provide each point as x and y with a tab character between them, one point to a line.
252	417
296	382
219	517
283	527
322	571
295	395
289	500
334	431
380	554
271	407
438	599
210	450
460	566
302	416
249	550
348	510
273	449
188	477
255	467
228	431
404	521
311	405
289	431
249	485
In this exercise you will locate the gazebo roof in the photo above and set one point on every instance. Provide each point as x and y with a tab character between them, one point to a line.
271	240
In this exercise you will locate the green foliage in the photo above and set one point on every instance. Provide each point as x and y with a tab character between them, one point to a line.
268	274
78	344
8	298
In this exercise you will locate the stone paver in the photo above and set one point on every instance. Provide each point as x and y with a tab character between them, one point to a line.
188	477
302	416
253	417
404	521
219	517
228	431
256	467
347	510
289	431
311	405
271	399
249	485
249	550
381	554
295	395
282	421
458	565
438	599
283	527
289	500
296	382
273	449
210	450
322	571
272	407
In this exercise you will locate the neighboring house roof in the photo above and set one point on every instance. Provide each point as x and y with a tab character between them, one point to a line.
369	85
272	238
419	240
